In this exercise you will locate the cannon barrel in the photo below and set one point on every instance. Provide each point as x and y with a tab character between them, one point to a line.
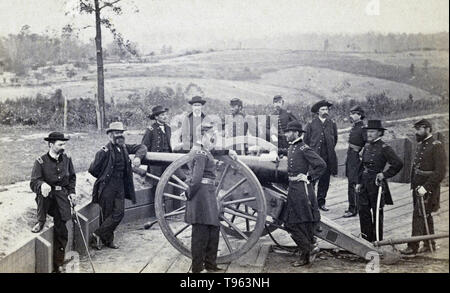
267	171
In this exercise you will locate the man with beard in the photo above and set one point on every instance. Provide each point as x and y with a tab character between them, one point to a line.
321	135
112	168
302	213
427	172
376	155
191	122
236	124
284	117
53	180
356	140
157	136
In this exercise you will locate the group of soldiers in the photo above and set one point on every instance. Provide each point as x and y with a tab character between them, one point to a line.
311	159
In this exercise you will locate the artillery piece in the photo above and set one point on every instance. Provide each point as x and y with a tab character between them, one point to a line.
251	193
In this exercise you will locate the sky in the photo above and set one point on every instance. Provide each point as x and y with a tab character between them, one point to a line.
192	23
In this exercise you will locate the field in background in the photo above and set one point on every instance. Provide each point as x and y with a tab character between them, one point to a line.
253	75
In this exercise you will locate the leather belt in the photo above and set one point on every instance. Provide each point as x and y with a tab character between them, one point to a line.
208	181
368	171
423	173
355	147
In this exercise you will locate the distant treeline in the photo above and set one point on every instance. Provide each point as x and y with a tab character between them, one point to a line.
368	42
47	111
24	51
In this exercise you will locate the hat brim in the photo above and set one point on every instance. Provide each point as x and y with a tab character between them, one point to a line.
55	139
194	102
315	108
294	129
377	128
112	129
152	116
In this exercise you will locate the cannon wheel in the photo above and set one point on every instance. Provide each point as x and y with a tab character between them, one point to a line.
241	202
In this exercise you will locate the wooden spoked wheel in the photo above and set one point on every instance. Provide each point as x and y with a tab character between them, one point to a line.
240	199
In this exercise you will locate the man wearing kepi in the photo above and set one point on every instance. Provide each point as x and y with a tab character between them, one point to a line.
302	213
376	155
321	135
356	140
284	117
112	168
201	205
427	172
53	180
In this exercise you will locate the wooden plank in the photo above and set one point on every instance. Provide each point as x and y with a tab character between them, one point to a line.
44	255
182	264
22	260
251	262
161	259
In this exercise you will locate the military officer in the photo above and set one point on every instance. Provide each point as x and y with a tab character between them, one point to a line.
201	205
427	172
112	168
191	122
53	180
321	135
376	154
236	124
302	213
157	136
284	117
356	141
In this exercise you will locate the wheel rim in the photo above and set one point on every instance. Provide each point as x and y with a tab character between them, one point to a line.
241	202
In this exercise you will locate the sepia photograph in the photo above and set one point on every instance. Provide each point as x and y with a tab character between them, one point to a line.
244	139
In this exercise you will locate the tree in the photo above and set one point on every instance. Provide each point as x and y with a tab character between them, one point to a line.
96	7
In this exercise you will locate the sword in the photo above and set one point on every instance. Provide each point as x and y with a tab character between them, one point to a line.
377	213
77	221
424	213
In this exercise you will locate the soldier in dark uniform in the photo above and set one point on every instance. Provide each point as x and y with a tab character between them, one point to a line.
201	205
157	136
236	124
376	155
112	168
427	172
302	212
321	135
356	141
53	180
284	117
191	122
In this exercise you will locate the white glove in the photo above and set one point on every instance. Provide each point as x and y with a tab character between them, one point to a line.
274	138
302	177
421	190
136	162
45	189
71	198
233	154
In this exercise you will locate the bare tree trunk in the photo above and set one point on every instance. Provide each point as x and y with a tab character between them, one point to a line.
100	76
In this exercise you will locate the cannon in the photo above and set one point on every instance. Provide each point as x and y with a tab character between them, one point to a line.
251	193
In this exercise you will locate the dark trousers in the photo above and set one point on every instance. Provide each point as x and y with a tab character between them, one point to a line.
418	227
302	234
204	246
60	234
43	205
322	187
352	198
112	204
367	202
60	238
